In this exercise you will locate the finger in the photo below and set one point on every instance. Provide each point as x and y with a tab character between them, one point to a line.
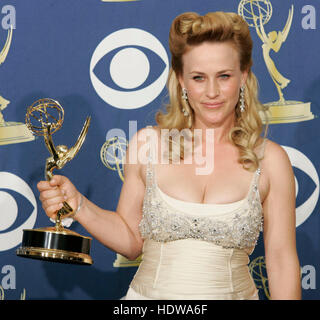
58	180
68	193
52	201
43	185
51	193
51	211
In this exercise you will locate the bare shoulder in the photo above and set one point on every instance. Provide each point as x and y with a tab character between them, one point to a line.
142	134
276	161
277	179
274	152
139	149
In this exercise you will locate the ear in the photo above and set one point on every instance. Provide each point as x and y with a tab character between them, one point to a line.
244	77
180	79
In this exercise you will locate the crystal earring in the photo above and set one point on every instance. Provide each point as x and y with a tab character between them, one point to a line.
185	98
185	112
242	105
184	94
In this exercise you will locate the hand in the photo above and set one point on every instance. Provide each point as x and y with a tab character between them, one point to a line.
54	192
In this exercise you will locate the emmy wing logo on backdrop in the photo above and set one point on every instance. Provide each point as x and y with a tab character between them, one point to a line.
129	68
10	132
113	153
257	268
257	13
9	237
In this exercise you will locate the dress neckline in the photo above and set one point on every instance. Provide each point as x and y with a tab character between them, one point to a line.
200	204
253	186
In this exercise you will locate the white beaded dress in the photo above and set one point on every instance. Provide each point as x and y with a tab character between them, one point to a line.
196	251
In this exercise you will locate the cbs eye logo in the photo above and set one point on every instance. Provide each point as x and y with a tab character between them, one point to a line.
132	83
305	170
14	193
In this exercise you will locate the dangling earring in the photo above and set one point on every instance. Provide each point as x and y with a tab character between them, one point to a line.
242	105
184	94
185	98
185	112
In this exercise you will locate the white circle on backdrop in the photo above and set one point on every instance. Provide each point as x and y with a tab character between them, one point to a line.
297	185
136	98
134	64
10	181
300	161
9	210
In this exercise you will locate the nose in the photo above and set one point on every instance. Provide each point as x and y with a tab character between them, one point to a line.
212	89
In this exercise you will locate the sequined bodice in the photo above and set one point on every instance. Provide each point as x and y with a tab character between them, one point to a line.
238	228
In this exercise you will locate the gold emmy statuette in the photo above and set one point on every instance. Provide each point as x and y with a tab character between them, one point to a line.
44	117
257	13
11	132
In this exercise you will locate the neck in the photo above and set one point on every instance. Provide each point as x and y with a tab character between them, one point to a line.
221	130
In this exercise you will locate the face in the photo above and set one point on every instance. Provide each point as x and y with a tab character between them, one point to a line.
212	77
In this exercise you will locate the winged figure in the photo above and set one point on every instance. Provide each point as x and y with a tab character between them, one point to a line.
62	154
273	41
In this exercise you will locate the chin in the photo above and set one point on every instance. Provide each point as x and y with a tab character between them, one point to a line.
214	120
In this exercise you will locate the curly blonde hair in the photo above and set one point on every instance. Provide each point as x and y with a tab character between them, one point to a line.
191	29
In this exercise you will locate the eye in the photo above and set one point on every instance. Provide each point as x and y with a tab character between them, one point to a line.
198	78
224	76
129	68
18	210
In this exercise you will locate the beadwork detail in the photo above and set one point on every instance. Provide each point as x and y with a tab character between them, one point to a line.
239	229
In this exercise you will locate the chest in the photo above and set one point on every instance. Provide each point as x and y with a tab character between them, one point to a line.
225	184
232	225
222	180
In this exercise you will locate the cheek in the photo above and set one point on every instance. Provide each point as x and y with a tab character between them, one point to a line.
230	90
195	91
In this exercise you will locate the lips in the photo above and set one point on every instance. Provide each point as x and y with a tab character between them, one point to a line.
212	105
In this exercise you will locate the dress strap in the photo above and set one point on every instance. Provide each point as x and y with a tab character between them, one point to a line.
151	146
150	174
255	181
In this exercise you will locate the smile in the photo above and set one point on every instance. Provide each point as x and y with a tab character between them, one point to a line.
212	105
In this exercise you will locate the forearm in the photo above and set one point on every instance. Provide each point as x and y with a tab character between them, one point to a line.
109	228
284	278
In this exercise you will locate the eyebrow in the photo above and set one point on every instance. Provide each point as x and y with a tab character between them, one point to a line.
226	70
219	72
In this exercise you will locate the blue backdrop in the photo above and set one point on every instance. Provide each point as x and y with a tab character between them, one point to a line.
77	52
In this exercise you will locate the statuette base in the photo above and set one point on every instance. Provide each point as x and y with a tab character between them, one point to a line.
14	132
50	244
287	111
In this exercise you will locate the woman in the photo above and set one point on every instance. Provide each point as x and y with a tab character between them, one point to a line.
194	232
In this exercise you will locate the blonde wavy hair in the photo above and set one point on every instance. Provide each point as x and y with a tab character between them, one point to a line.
191	29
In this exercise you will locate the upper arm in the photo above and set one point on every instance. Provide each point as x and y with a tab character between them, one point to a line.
133	188
279	204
